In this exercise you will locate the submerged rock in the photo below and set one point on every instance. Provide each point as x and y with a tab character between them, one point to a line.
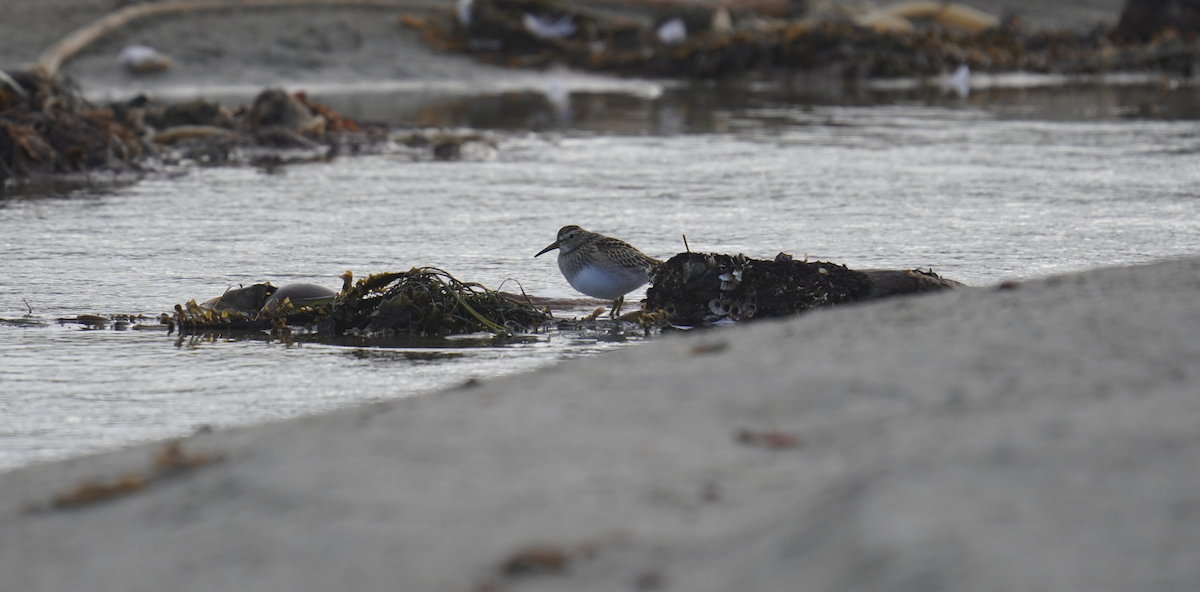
299	295
244	299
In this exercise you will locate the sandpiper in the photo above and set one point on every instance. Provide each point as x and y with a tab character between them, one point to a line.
600	266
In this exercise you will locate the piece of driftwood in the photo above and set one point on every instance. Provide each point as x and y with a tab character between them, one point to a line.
697	288
898	282
701	288
54	57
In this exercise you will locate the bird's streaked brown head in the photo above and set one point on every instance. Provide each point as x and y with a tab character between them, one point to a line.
567	235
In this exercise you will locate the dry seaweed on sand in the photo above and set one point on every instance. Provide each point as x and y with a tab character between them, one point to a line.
424	301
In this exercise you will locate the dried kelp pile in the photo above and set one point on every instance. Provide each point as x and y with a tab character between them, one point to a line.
423	301
427	301
729	39
46	129
276	128
696	288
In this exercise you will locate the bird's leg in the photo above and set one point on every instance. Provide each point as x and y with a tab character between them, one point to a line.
616	311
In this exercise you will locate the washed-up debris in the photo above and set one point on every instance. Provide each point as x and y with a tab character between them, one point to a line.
897	282
769	439
1143	20
275	108
538	558
907	16
277	128
699	288
244	309
26	321
47	129
689	39
440	144
142	59
423	301
427	301
195	112
116	322
95	490
171	459
714	347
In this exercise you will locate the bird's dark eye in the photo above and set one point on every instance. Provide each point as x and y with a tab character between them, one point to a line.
572	235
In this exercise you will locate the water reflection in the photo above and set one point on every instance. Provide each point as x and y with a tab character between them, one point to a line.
704	108
428	345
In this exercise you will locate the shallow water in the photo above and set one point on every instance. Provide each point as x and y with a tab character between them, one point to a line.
1007	186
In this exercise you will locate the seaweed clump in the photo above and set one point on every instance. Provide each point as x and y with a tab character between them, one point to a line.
427	301
423	301
47	129
697	288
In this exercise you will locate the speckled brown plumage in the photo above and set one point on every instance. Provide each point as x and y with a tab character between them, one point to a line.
600	266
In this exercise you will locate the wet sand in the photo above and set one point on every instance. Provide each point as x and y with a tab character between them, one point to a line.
1038	437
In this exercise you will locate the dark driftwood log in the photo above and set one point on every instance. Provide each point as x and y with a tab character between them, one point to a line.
697	288
68	46
897	282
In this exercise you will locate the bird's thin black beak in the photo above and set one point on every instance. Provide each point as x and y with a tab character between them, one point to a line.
552	246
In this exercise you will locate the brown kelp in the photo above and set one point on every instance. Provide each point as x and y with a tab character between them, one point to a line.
423	301
48	131
427	301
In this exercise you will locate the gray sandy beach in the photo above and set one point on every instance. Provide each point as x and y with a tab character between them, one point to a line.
1034	436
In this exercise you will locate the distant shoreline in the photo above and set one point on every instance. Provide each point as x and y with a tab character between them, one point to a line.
266	46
